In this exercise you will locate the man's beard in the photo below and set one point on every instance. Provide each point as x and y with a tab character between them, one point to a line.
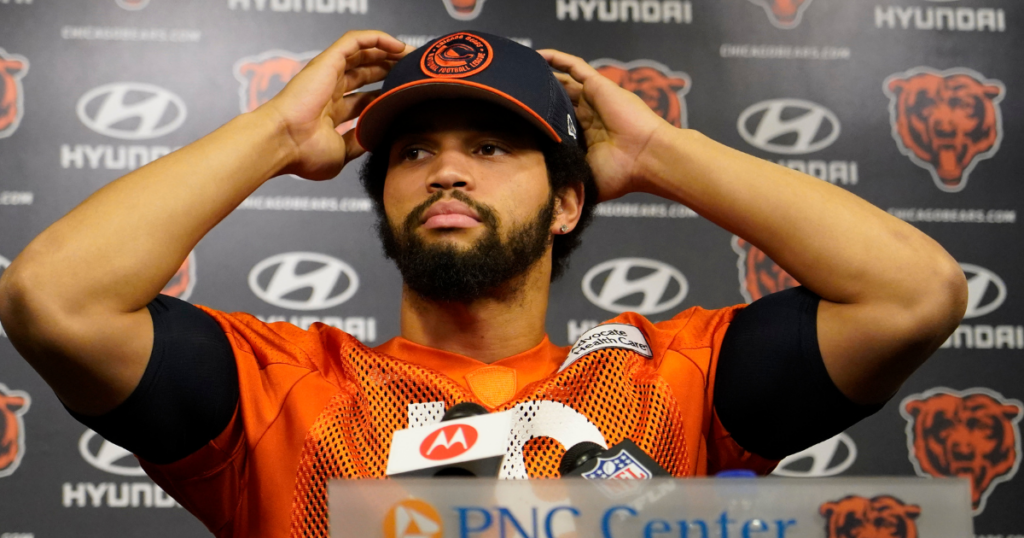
489	268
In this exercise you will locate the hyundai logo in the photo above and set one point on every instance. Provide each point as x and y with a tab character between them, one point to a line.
788	126
827	458
107	456
131	110
303	281
635	284
985	290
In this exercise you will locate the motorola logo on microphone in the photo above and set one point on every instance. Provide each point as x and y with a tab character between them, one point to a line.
827	458
449	442
107	456
639	285
303	281
131	110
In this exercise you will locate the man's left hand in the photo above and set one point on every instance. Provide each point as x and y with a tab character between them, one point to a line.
617	124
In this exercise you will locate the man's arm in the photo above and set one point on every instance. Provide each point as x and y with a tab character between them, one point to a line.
890	294
74	301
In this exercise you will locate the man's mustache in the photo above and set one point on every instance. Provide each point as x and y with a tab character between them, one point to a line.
487	214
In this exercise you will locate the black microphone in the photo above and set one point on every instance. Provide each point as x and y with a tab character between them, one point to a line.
467	442
624	460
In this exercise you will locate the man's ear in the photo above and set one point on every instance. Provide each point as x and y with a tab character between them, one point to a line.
568	208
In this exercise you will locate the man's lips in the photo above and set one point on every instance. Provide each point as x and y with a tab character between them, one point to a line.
449	214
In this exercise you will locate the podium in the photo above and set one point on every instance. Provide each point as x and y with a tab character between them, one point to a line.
660	507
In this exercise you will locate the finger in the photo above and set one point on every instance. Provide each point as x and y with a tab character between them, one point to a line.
573	88
351	106
357	78
355	41
576	67
366	56
352	148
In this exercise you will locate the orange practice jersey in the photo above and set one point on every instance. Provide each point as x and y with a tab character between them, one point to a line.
317	404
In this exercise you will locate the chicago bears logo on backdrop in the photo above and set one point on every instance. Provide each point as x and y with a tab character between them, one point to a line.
883	516
13	405
184	279
759	275
785	14
12	97
945	121
263	75
661	88
464	10
973	434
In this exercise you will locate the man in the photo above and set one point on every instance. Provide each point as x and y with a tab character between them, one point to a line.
478	172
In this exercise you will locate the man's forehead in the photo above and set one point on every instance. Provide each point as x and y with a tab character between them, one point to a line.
462	114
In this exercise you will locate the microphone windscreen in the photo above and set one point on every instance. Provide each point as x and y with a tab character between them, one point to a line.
463	410
578	455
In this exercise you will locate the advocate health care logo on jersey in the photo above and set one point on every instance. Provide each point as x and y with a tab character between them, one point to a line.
945	121
13	406
974	433
790	126
661	88
13	68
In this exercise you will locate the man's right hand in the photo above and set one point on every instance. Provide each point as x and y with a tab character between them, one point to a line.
319	99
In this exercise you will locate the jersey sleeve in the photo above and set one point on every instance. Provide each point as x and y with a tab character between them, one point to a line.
187	394
772	394
281	388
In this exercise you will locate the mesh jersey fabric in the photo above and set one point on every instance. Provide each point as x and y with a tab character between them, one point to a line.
317	404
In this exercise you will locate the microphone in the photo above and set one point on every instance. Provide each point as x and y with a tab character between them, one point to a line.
624	460
468	441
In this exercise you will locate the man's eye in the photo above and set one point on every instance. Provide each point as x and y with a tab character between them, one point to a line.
491	149
413	154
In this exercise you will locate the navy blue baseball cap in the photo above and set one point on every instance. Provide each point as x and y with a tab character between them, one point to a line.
473	65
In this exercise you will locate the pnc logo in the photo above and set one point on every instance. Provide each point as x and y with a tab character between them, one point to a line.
635	284
131	110
184	279
827	458
661	88
12	95
785	14
412	518
13	406
464	10
449	442
303	281
974	434
788	126
107	456
945	121
985	290
861	517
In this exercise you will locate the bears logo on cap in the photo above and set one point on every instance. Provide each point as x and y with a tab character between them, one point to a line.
458	55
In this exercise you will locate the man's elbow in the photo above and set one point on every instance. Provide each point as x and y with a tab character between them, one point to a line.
942	301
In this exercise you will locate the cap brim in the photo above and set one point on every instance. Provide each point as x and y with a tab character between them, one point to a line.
378	117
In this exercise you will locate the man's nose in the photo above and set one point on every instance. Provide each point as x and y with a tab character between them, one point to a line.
451	171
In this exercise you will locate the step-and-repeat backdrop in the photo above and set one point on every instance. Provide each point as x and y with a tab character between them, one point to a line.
915	105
